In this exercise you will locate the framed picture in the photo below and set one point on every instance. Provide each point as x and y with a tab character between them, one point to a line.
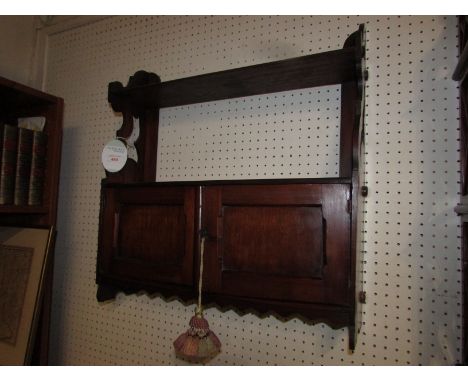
23	259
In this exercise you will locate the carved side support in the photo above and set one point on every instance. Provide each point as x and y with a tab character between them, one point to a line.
460	75
352	141
352	334
103	293
352	104
128	101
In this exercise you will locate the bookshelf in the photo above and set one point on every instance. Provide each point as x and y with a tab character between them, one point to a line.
19	101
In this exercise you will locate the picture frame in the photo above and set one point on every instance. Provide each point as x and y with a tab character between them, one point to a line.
24	252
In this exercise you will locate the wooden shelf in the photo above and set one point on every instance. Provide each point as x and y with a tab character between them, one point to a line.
272	245
7	209
14	95
328	68
22	101
197	183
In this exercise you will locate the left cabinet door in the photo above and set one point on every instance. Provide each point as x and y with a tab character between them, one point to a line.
147	235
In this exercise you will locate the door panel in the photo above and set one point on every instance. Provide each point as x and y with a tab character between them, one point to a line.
137	228
247	244
288	243
148	234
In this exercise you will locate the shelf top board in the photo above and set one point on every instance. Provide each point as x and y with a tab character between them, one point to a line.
13	94
327	68
235	182
12	209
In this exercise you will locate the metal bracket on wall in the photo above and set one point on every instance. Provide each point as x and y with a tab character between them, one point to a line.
462	208
362	297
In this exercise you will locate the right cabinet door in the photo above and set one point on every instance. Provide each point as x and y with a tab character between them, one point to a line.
279	242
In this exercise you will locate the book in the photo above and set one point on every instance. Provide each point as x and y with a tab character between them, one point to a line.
8	164
32	123
38	163
23	166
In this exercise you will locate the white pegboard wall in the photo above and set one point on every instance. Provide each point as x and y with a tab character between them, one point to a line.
412	255
282	135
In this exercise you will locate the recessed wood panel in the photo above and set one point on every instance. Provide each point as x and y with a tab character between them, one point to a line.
152	234
273	240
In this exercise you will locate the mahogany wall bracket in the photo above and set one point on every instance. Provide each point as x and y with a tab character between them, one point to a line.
286	246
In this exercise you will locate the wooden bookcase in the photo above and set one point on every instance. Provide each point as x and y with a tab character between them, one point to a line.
18	100
286	246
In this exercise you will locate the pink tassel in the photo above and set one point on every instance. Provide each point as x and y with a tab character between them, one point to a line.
198	343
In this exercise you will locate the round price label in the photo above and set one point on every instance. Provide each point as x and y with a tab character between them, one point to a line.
114	155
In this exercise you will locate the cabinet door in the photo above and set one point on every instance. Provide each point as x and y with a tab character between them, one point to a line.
279	242
147	234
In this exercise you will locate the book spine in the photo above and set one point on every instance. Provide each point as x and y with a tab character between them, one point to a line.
23	166
38	163
8	165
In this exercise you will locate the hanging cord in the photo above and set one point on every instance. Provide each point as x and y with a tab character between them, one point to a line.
199	309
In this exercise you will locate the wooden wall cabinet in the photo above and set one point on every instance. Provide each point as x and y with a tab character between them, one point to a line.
286	246
17	100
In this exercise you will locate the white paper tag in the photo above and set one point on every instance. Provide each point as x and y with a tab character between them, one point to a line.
132	151
114	155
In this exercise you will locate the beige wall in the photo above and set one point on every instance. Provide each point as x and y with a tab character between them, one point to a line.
23	44
16	47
